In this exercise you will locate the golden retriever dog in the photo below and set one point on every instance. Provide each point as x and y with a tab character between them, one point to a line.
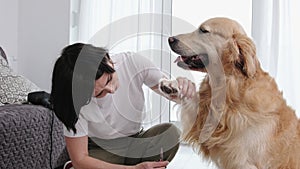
239	119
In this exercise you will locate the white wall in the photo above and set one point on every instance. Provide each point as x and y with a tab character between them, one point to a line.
35	31
9	27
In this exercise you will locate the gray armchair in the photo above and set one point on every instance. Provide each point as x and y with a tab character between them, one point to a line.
31	137
2	53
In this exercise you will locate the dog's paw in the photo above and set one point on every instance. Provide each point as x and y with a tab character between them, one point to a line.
169	88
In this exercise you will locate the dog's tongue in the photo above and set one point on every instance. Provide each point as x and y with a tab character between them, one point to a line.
178	59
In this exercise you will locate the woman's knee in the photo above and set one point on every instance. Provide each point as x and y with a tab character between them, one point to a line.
168	129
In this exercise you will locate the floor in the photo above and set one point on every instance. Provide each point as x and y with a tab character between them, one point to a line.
186	158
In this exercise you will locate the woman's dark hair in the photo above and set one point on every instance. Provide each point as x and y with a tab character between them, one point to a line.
73	80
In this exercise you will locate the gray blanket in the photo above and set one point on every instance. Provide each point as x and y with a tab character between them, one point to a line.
30	137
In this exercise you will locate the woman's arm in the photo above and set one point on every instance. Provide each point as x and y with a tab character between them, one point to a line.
78	152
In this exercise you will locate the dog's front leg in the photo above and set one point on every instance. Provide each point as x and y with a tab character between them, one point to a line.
247	166
240	166
169	88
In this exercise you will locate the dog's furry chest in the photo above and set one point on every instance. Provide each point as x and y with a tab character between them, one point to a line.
239	138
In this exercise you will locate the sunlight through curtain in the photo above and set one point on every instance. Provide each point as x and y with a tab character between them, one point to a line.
141	26
275	29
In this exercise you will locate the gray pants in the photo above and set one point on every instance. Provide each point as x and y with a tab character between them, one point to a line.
143	146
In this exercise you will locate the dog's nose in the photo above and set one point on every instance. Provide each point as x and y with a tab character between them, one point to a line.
172	40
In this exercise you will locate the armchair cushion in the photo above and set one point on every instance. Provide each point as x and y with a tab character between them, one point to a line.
14	88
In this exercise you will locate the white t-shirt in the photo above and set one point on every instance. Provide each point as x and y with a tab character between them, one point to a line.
119	114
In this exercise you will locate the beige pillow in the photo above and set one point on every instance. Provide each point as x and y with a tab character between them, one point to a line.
14	88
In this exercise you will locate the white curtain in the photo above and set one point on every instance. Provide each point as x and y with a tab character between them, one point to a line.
141	26
275	31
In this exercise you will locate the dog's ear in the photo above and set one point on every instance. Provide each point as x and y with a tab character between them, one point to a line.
246	61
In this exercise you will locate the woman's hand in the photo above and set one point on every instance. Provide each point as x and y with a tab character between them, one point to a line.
187	88
152	165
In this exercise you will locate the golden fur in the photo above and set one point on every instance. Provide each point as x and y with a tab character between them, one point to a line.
240	119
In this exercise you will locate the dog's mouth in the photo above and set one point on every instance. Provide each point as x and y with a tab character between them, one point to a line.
195	62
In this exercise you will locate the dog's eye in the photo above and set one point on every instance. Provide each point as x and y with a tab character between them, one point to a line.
202	30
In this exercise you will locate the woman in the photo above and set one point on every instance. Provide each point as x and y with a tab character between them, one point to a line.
100	101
